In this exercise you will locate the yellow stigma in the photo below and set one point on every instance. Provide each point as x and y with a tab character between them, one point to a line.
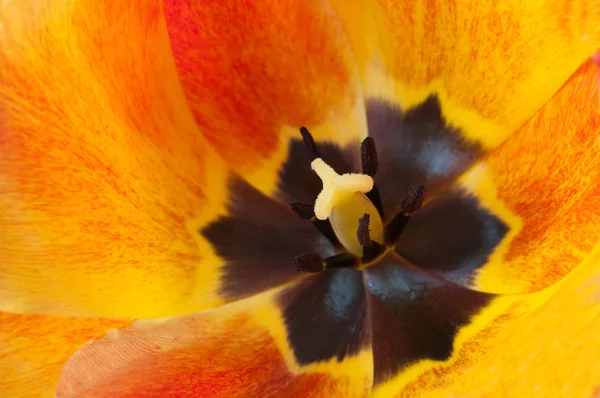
344	202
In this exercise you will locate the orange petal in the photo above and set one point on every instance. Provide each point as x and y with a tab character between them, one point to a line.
233	351
546	348
103	174
544	183
492	63
253	73
34	348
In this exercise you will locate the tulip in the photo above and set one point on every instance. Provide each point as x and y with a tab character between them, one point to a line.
314	199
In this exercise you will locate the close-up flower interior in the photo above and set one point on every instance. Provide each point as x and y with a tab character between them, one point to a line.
241	198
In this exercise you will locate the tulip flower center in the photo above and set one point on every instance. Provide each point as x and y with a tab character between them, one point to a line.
350	206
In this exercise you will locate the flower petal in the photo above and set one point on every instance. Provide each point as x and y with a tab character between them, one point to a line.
453	236
416	147
545	345
257	241
546	190
253	73
325	316
34	348
233	351
415	317
491	63
104	178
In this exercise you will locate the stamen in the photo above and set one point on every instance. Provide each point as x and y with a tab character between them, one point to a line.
312	262
370	165
410	205
310	144
342	260
373	251
306	212
374	197
303	210
363	234
325	228
309	262
368	156
414	200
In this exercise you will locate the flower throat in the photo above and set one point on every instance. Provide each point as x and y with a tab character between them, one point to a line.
349	212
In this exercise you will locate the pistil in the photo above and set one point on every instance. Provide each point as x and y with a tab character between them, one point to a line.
410	205
343	202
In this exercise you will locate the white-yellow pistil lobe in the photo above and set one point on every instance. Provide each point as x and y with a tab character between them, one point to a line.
344	202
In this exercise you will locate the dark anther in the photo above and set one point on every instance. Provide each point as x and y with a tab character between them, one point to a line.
342	260
310	262
373	251
374	197
307	212
370	164
410	205
363	234
310	144
303	210
368	156
414	200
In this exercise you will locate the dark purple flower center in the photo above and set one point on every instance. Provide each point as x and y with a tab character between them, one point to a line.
420	286
372	249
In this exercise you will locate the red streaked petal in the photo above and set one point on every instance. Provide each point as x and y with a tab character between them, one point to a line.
253	73
104	177
544	184
233	351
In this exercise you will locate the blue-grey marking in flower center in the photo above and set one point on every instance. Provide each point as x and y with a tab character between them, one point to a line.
417	296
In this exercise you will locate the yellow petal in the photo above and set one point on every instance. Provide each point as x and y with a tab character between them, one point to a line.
549	350
492	63
544	184
104	178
